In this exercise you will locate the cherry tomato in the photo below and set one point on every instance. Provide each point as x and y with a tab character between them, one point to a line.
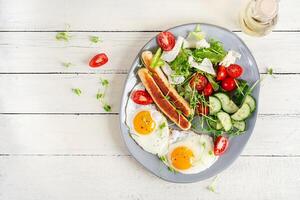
228	84
166	40
98	60
141	97
202	109
199	82
221	73
220	145
234	71
208	90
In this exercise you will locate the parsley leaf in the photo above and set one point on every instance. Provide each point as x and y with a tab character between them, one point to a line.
77	91
95	39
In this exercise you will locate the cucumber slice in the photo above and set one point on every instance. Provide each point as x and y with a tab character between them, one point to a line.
215	125
242	113
227	104
240	125
251	102
225	120
214	105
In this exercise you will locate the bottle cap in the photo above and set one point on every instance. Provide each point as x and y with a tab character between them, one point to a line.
265	10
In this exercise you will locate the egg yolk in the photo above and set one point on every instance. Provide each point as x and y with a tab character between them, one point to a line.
143	123
182	157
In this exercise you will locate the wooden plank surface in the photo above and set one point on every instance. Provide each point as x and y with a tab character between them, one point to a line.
35	52
121	177
100	135
51	93
133	15
56	145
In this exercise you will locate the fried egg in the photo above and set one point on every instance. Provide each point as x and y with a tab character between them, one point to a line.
190	153
147	126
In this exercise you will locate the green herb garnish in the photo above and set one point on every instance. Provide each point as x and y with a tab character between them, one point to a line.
95	39
63	36
163	125
107	107
212	186
77	91
99	95
67	64
104	82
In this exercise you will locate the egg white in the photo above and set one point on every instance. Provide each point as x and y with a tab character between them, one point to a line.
157	141
201	145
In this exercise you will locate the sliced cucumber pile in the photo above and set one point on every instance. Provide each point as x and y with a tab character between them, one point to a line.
227	116
227	104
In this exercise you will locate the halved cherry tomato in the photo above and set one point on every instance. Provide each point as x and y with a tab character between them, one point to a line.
202	109
199	82
221	73
220	145
228	84
166	40
98	60
208	90
141	97
234	71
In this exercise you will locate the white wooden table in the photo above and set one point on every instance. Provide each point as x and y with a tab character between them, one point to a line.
56	145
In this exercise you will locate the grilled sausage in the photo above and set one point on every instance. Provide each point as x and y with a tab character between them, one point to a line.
160	100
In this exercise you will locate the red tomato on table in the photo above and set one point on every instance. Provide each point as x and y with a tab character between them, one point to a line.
166	40
98	60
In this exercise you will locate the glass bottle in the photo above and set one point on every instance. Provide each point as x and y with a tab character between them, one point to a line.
259	17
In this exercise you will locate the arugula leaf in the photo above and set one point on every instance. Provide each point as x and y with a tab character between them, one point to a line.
180	65
95	39
77	91
215	53
63	36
